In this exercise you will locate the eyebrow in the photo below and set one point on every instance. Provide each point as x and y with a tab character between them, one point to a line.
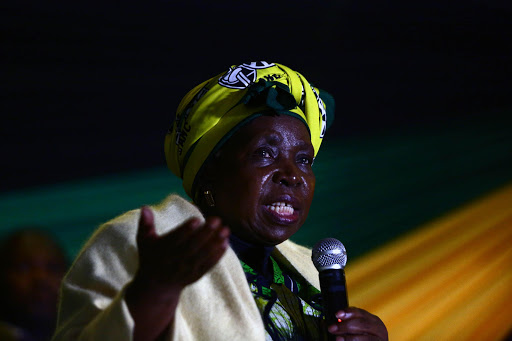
273	139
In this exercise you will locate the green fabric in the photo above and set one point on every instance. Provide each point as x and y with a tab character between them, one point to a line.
287	315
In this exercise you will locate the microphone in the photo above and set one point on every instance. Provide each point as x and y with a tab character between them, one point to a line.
330	257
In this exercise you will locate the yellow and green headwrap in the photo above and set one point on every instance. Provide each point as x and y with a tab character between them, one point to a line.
211	112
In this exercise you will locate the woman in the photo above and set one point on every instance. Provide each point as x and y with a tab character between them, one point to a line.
223	269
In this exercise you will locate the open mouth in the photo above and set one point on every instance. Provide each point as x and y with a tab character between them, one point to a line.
284	210
281	208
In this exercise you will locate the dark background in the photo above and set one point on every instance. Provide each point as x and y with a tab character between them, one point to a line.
89	88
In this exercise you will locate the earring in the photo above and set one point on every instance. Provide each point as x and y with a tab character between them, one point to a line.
208	196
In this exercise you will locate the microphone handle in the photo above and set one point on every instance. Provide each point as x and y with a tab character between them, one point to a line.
334	294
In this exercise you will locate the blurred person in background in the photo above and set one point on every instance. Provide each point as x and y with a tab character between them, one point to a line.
32	265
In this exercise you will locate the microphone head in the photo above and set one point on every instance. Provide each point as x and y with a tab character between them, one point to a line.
329	253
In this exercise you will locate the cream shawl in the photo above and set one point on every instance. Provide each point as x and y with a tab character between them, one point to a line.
219	306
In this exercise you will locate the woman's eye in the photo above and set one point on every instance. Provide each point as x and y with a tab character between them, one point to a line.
263	152
306	160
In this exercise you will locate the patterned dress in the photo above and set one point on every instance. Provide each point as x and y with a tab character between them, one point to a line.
290	309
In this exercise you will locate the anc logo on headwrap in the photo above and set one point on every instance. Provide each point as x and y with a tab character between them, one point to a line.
241	76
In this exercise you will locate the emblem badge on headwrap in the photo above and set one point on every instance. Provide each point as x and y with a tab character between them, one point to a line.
241	76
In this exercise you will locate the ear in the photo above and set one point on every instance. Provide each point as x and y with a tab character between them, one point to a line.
206	180
205	200
208	198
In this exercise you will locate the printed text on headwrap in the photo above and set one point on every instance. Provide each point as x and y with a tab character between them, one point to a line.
182	126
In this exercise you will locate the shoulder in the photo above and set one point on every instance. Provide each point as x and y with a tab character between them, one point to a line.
118	235
296	249
172	212
168	214
297	258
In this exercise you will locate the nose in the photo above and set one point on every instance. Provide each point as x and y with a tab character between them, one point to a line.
43	276
288	175
39	275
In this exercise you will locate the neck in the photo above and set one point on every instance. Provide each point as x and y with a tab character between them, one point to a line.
256	256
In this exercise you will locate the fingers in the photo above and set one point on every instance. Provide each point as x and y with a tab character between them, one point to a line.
186	253
184	233
215	244
147	238
212	234
146	225
193	236
358	324
206	245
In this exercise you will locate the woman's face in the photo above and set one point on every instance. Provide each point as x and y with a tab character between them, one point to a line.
263	182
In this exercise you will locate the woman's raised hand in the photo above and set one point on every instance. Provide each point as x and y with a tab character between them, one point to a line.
358	324
167	264
183	255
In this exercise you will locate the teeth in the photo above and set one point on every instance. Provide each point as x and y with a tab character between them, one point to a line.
281	208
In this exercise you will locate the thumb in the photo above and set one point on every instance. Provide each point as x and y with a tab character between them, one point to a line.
146	225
